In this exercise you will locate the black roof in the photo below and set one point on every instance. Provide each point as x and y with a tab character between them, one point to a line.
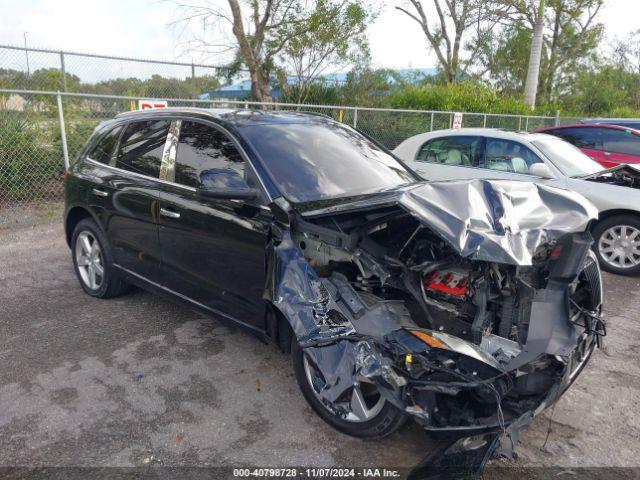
236	117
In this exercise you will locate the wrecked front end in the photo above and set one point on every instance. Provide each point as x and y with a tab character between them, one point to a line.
622	175
470	306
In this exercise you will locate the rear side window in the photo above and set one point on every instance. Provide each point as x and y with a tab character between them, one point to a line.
587	137
621	141
104	149
141	147
206	157
450	151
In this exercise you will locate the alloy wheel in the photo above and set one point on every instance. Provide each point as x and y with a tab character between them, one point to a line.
363	401
619	246
89	260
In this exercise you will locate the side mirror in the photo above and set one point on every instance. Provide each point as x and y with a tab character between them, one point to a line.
225	184
541	170
229	193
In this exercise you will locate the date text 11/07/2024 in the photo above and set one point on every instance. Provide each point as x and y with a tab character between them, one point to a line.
315	473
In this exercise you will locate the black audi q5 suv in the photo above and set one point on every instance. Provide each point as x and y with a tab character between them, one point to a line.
468	306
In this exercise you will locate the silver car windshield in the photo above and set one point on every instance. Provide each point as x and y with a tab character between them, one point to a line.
569	159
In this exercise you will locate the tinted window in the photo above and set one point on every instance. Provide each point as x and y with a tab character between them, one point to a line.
621	141
141	147
449	151
508	156
104	149
316	160
586	137
206	157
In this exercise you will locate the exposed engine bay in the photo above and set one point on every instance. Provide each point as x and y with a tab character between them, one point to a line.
394	294
621	175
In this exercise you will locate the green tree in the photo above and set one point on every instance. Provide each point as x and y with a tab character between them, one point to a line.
335	43
571	35
503	59
262	31
368	87
455	27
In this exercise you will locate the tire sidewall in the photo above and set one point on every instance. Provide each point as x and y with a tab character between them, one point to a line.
91	227
605	225
384	423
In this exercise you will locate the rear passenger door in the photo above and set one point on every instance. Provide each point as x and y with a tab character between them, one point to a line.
213	250
448	158
132	185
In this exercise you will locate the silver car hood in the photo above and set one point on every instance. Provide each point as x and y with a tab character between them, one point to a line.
498	220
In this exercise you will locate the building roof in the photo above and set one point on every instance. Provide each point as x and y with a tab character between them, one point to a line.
242	89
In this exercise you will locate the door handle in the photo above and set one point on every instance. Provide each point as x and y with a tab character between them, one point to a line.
100	193
169	213
607	153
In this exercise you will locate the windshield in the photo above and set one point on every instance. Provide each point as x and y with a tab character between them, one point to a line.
319	160
569	159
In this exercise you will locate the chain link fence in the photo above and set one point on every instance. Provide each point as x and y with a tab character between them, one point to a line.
51	70
36	127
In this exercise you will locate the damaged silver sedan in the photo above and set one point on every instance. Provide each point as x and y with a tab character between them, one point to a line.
467	306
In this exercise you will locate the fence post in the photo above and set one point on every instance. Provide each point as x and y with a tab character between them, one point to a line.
484	121
431	127
557	117
193	80
64	72
520	123
63	133
526	124
355	117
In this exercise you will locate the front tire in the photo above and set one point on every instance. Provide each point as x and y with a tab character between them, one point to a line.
373	417
93	262
617	244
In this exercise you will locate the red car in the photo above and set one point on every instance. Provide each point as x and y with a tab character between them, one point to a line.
609	145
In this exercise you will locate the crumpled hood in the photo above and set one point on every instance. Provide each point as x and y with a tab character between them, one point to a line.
491	220
498	220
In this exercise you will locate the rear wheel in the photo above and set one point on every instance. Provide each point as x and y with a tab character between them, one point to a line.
368	413
617	244
93	262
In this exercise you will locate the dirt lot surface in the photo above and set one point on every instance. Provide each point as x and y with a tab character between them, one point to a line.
139	380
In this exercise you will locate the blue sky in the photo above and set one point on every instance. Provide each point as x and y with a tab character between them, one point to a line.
142	28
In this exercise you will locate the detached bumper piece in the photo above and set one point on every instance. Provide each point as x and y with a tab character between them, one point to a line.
461	458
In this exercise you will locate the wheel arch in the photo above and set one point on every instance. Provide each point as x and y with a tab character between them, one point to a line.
278	328
73	217
614	213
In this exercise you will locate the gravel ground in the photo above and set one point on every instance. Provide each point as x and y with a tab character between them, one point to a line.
140	380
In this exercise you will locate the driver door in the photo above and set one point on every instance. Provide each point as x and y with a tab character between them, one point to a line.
213	250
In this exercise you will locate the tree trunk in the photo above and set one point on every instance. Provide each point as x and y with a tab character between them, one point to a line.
553	57
533	73
260	87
